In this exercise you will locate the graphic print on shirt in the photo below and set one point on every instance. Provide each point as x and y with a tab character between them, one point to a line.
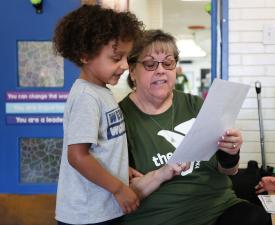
175	139
116	126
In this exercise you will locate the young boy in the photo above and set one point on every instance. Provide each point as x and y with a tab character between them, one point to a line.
93	180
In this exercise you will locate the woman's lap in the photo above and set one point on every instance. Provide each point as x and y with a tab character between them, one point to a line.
245	213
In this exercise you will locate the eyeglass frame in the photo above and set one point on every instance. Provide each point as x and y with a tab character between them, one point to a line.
158	62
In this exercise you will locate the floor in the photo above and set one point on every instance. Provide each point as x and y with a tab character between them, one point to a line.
27	209
31	210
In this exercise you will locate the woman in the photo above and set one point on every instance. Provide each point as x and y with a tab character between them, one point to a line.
155	114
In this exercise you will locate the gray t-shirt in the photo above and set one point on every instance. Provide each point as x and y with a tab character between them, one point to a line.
91	116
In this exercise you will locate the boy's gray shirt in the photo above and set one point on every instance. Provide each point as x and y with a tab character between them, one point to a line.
91	115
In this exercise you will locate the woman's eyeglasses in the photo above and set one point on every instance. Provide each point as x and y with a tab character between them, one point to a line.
152	65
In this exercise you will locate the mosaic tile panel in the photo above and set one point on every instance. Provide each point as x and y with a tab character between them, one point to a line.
38	66
40	159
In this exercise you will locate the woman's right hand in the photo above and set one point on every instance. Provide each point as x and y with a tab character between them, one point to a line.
168	171
127	199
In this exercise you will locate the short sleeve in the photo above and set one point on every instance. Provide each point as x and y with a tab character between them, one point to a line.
84	120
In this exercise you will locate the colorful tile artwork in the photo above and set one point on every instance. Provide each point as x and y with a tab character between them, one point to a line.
40	159
38	66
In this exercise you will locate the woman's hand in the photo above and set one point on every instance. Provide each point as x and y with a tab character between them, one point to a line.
231	141
228	154
266	184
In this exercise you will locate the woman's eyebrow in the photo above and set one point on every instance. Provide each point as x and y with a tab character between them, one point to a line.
152	57
148	56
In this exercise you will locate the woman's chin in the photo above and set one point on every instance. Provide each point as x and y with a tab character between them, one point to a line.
162	94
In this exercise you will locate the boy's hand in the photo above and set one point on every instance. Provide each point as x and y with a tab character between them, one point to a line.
127	199
133	173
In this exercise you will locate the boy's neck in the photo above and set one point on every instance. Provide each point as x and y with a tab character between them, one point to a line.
90	79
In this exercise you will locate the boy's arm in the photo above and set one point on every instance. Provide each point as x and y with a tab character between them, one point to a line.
80	158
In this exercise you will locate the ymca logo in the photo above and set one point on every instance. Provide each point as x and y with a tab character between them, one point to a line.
175	139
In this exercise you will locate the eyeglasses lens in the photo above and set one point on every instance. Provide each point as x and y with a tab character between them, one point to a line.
152	65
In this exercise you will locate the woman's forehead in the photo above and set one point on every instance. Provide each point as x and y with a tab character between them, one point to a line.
159	47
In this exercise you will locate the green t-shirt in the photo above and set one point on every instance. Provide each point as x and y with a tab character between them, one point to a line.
196	198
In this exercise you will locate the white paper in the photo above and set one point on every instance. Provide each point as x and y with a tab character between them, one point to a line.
218	113
268	202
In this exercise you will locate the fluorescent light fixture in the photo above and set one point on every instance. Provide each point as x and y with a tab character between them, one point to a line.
189	49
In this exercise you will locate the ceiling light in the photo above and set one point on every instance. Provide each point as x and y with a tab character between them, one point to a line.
189	49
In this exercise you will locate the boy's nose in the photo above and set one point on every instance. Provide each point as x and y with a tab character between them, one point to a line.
124	64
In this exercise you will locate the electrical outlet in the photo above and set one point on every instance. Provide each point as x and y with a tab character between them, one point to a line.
269	34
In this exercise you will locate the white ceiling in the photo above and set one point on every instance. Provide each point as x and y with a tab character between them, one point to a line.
178	15
175	16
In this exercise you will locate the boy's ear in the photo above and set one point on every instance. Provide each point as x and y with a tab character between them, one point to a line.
84	59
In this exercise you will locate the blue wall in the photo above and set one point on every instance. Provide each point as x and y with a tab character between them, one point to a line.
19	21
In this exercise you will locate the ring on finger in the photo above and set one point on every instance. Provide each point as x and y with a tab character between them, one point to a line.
234	145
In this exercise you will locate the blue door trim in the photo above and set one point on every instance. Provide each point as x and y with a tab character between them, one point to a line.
213	39
224	36
222	46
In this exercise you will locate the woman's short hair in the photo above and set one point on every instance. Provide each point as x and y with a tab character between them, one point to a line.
151	41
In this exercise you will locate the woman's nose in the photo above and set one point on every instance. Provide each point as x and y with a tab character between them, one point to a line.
160	67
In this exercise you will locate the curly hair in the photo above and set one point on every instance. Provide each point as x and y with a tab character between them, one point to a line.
151	40
87	29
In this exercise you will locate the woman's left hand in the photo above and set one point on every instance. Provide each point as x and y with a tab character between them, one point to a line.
231	141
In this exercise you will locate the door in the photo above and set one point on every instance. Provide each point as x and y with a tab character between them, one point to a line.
33	88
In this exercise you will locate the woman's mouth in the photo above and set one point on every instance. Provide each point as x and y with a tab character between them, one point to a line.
159	82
